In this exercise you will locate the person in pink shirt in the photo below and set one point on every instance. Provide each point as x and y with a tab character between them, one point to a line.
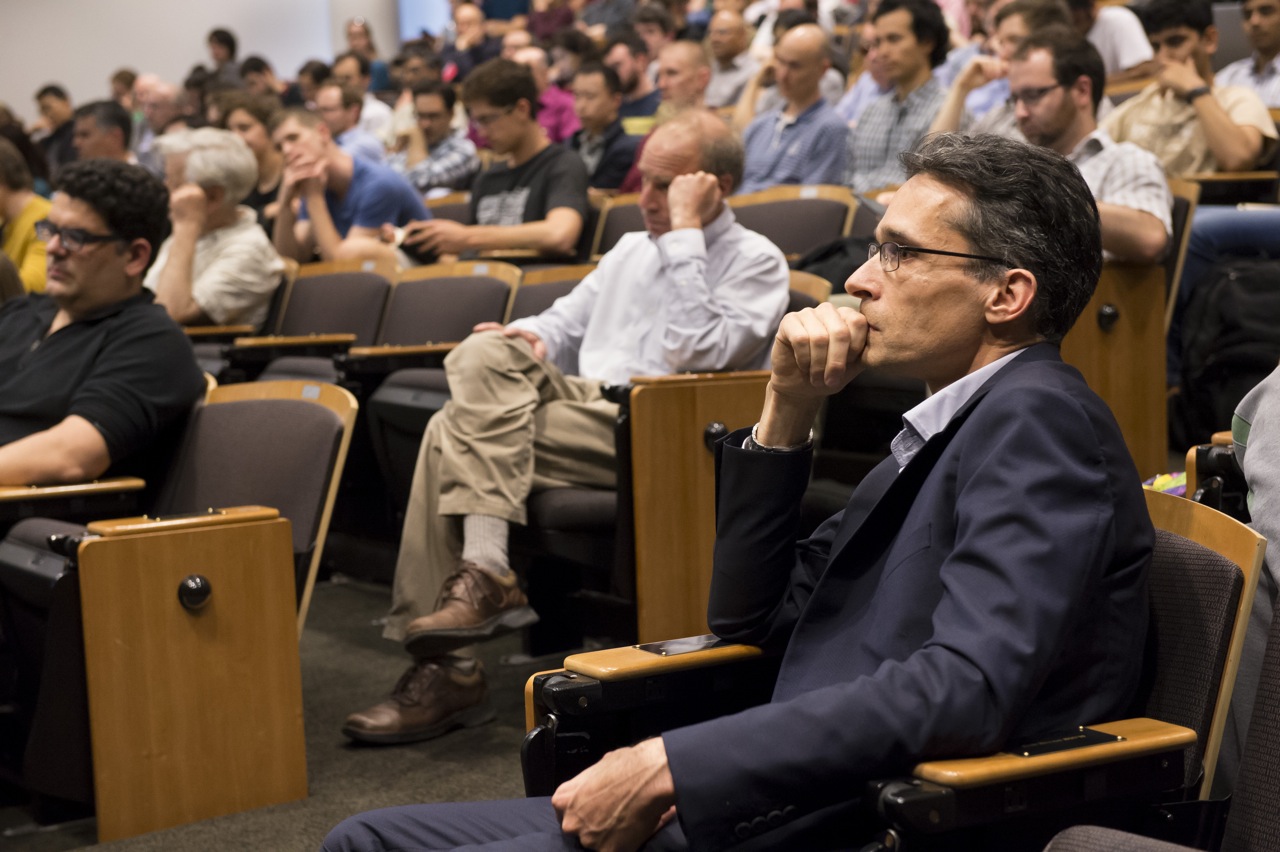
555	105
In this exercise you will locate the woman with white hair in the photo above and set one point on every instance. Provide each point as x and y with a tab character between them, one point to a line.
217	266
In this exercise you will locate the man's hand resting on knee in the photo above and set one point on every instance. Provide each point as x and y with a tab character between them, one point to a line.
535	342
618	804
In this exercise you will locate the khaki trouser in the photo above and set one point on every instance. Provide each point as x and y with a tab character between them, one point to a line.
514	425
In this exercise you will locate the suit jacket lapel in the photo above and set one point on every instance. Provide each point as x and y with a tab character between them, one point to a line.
880	503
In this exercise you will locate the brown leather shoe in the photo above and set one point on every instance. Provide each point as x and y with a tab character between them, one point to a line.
474	605
429	700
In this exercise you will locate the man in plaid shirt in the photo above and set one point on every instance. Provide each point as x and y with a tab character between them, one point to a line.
447	160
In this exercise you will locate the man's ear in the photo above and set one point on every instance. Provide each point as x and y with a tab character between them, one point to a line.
1209	40
726	185
1010	300
139	252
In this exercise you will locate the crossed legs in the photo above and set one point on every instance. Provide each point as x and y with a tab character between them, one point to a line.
514	425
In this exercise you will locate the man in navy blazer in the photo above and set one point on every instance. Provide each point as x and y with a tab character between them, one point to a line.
985	584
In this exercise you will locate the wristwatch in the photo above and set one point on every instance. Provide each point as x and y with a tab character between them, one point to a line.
1191	95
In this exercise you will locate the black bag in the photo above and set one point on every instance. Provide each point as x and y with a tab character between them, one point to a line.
1230	342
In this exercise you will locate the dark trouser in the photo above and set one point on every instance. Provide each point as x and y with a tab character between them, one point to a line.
528	825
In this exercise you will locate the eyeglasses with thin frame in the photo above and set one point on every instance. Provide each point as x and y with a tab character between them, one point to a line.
484	121
1030	97
891	254
73	239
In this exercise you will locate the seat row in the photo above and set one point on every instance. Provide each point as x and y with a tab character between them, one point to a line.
798	219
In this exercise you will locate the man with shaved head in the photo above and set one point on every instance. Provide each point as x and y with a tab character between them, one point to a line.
683	74
804	141
695	291
733	66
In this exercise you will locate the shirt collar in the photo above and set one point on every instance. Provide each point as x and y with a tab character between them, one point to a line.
1098	140
1268	70
932	416
711	232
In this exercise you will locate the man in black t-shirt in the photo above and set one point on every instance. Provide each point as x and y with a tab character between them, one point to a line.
94	378
536	199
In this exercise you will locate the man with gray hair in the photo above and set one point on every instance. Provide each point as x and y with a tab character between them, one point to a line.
217	265
984	586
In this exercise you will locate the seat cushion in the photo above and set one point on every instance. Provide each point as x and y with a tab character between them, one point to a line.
574	509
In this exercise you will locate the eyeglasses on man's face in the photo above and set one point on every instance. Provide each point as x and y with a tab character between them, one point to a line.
1031	97
485	121
72	239
891	254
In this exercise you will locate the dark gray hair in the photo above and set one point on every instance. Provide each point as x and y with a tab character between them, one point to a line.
1027	205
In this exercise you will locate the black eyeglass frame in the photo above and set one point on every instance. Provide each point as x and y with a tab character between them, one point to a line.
73	239
1031	97
876	249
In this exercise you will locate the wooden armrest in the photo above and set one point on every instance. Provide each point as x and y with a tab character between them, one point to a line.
614	664
1141	737
1221	439
279	340
1233	177
114	485
678	379
515	254
201	331
391	351
207	518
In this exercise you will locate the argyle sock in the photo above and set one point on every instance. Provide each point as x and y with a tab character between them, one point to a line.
484	542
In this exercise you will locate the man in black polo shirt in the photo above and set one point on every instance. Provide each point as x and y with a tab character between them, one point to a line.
94	378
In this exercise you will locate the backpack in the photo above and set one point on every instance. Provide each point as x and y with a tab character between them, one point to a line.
1230	343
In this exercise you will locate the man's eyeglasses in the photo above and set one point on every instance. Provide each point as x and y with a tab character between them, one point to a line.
483	121
1031	97
73	239
891	254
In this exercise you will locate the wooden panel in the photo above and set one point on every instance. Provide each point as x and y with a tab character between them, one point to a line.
1141	736
1125	364
674	486
629	661
300	340
192	715
385	268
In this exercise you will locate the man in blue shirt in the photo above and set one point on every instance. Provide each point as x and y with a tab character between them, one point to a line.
804	141
345	200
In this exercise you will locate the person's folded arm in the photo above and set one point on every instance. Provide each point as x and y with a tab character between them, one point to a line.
72	451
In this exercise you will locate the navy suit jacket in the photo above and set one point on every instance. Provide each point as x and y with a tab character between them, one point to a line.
993	590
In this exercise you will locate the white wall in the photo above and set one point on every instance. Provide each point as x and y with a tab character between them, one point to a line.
79	43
